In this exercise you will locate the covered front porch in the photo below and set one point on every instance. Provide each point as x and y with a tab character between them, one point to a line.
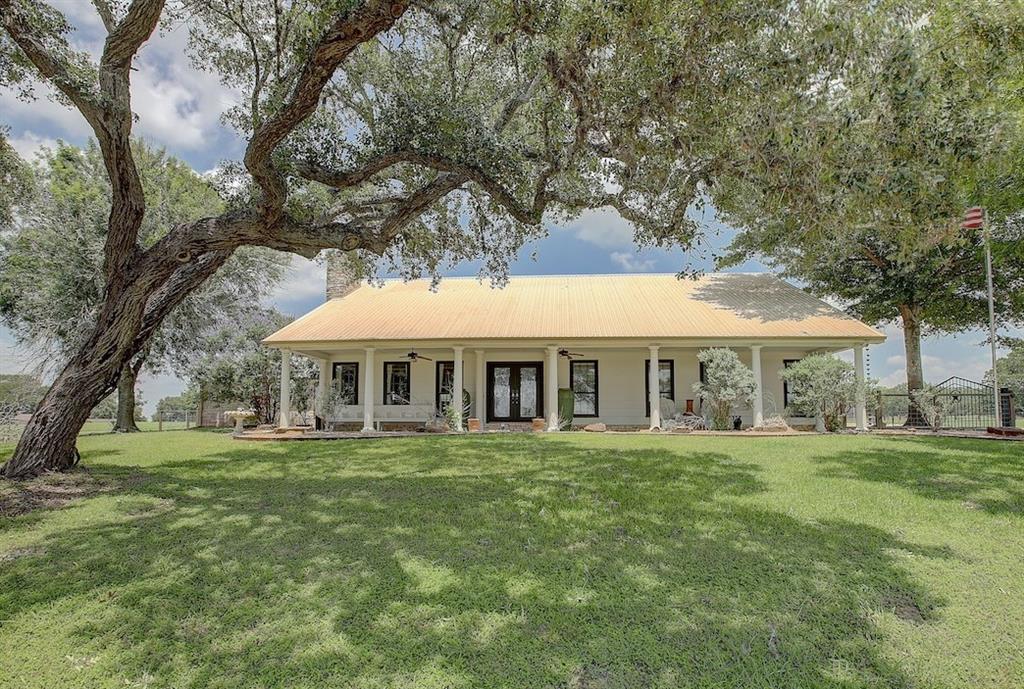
401	385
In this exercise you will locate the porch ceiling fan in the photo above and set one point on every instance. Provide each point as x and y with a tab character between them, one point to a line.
567	354
413	356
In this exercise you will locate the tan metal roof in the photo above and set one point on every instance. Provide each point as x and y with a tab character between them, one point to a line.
721	305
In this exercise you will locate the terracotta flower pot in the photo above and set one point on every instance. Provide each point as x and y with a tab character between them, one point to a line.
539	425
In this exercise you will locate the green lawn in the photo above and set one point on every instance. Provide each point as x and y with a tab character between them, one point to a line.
519	561
104	426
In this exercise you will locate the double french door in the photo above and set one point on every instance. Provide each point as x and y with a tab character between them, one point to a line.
515	391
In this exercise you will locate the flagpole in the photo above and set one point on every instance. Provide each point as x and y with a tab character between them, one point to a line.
992	319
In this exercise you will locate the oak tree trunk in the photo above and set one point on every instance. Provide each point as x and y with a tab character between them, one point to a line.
126	322
48	441
143	286
125	422
915	368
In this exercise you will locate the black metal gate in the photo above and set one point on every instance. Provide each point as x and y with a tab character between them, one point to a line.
966	404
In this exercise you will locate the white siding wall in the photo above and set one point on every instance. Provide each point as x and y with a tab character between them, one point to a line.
621	382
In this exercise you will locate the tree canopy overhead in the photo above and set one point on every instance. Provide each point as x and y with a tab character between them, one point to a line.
879	168
451	135
416	135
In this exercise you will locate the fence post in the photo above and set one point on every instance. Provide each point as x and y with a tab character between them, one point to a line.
159	419
1007	408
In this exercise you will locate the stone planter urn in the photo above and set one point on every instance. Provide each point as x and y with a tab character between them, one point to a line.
240	416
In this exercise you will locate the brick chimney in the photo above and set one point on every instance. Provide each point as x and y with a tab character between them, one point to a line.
342	279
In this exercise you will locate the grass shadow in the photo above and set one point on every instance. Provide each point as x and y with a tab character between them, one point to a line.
472	562
978	474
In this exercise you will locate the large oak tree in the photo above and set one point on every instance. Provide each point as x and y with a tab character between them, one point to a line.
412	135
51	282
881	164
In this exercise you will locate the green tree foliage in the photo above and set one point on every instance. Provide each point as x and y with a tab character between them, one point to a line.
108	408
859	190
20	392
236	367
825	387
727	383
491	115
51	262
177	407
15	180
1010	368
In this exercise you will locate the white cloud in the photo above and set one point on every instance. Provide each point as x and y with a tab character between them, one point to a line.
937	368
603	227
42	112
13	357
83	16
178	106
631	263
304	281
29	144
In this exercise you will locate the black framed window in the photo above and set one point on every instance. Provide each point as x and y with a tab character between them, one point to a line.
703	373
346	376
786	363
397	383
666	381
444	383
583	381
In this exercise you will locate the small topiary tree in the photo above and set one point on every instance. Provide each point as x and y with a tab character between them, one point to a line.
727	383
824	386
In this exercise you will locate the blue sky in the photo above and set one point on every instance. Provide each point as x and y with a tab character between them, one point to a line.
179	107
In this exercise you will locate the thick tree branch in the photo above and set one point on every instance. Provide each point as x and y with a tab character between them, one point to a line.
343	179
337	43
184	281
454	175
530	215
107	112
106	14
415	204
130	33
128	203
53	68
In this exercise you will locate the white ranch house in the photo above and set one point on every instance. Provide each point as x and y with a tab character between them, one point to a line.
512	348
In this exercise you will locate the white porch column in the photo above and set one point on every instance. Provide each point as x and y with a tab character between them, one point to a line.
323	384
654	389
481	388
551	385
286	388
368	396
861	409
755	366
457	384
